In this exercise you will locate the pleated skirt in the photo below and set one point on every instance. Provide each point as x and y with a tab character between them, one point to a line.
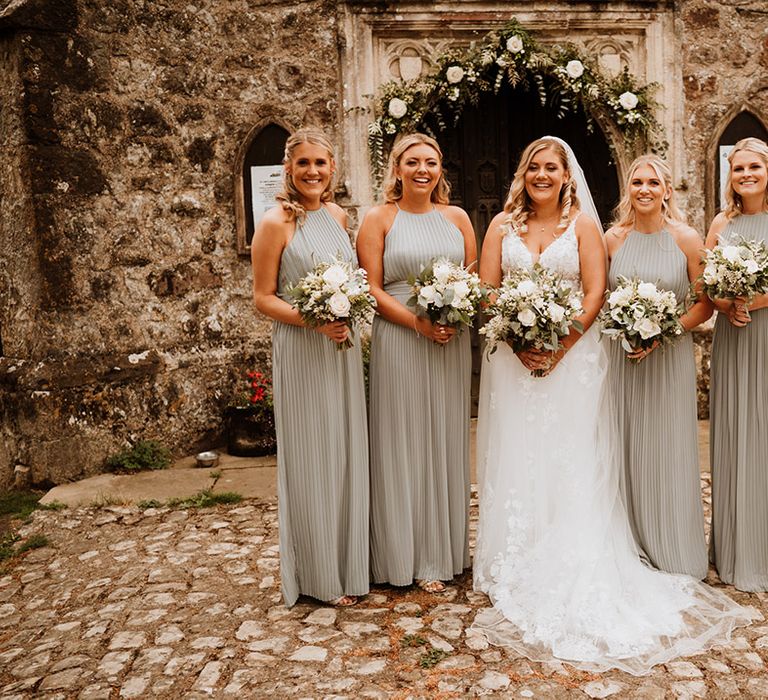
658	434
322	465
738	417
419	432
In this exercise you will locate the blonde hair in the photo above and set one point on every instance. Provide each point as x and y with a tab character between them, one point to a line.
518	205
393	186
289	197
624	213
733	203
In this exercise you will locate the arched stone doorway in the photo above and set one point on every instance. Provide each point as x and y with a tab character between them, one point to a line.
482	151
481	154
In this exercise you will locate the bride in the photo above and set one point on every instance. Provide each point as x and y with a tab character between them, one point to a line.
554	552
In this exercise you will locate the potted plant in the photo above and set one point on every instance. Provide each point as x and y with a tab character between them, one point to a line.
250	420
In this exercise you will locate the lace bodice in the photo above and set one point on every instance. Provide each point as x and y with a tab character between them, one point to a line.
561	256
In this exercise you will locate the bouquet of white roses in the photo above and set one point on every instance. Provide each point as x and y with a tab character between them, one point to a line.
446	293
739	269
639	314
533	310
333	291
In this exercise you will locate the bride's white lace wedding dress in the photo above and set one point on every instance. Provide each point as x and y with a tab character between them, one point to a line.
554	550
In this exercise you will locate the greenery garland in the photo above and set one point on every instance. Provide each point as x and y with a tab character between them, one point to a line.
512	55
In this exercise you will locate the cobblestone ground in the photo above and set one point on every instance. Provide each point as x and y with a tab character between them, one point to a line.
186	604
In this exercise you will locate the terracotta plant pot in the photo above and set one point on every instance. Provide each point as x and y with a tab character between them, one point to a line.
250	432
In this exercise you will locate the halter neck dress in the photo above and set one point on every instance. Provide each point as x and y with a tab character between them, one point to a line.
419	422
656	407
322	439
738	406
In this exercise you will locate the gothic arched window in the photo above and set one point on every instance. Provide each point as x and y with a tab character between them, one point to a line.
259	178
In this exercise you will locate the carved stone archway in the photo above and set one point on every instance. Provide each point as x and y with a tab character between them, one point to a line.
638	35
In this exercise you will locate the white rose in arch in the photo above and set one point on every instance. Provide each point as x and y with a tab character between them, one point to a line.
526	317
397	108
339	305
454	74
335	276
575	69
628	100
514	44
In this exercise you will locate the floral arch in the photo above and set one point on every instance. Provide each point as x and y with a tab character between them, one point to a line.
564	78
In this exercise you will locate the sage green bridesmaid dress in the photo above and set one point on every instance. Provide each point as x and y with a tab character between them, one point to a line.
419	423
656	406
738	415
322	438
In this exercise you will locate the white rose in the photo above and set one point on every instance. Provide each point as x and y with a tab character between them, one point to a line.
428	293
339	305
335	276
556	312
751	267
527	287
620	296
710	274
454	74
514	44
730	253
628	100
441	272
647	290
575	69
647	328
397	108
460	292
526	317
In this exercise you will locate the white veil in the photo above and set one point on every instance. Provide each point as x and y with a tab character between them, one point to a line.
582	188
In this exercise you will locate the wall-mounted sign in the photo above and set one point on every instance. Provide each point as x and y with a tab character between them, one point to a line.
266	183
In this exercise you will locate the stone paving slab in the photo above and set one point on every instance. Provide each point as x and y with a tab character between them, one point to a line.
186	604
251	477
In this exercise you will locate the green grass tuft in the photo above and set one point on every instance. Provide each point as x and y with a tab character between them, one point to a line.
144	455
151	503
19	504
413	640
53	505
432	658
33	542
7	542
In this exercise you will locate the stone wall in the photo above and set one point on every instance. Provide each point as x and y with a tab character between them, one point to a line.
724	49
125	310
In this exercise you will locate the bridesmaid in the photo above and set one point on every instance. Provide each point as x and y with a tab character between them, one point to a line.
739	389
419	379
655	389
322	444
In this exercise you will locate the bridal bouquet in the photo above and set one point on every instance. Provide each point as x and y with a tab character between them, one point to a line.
446	293
736	270
639	314
533	310
333	291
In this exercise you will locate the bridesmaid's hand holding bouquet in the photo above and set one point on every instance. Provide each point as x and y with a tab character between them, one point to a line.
532	310
446	293
641	317
738	270
334	291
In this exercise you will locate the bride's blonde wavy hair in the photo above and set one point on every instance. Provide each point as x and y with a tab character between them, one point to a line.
624	213
289	196
393	186
733	204
518	205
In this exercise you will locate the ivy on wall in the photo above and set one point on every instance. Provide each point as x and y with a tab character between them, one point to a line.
564	78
